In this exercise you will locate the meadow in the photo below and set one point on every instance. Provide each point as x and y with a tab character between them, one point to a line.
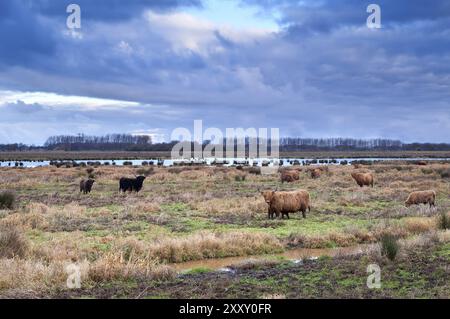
130	245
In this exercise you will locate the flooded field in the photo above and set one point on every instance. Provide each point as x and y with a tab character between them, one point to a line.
258	162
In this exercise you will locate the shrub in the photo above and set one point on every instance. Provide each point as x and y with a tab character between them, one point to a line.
144	171
12	243
389	246
239	178
444	221
445	173
427	171
89	170
7	200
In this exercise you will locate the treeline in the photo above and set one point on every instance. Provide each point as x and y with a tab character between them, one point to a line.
110	142
19	148
128	142
298	144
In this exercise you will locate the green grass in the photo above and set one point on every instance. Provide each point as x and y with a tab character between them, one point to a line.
199	270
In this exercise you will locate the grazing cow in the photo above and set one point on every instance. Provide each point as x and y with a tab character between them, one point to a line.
131	184
421	197
363	179
289	176
86	186
315	173
283	203
254	170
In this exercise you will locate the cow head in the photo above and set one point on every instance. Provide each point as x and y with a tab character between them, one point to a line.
268	195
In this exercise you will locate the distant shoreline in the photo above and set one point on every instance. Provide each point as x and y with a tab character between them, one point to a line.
124	155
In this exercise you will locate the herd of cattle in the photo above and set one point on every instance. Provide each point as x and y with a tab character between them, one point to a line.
282	203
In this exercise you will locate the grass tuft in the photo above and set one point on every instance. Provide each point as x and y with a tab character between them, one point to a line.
444	221
12	243
7	200
389	246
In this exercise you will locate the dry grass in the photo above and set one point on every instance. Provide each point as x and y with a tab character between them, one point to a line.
235	205
12	243
193	214
253	263
418	225
205	245
114	266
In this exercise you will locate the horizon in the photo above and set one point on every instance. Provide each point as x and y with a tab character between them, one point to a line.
43	145
149	67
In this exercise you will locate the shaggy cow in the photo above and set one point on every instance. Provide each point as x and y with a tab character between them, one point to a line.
421	197
86	186
289	176
283	203
131	184
363	179
315	173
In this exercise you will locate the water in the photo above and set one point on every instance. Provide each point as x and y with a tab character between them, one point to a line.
226	162
294	255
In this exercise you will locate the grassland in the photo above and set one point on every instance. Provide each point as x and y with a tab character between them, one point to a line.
124	243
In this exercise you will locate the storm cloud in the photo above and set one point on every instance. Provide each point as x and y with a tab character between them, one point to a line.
322	73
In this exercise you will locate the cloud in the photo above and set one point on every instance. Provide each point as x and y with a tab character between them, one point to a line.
323	74
107	10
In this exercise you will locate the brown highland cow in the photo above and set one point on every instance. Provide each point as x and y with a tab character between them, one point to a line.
363	179
421	197
315	173
289	176
283	203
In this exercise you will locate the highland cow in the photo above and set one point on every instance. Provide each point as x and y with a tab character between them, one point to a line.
421	197
315	173
86	186
289	176
131	184
283	203
254	170
363	179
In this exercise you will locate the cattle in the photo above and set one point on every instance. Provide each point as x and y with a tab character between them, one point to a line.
421	197
86	186
254	170
315	173
131	184
289	176
283	203
363	179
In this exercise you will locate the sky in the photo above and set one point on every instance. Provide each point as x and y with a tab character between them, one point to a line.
310	68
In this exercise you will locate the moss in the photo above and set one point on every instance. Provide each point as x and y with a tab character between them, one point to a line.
198	270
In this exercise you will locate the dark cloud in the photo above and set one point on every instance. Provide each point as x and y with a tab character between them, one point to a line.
325	15
25	38
107	10
324	74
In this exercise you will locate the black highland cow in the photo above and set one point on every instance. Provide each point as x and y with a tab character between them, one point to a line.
86	186
131	184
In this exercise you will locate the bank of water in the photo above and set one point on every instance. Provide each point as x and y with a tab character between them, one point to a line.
294	255
225	162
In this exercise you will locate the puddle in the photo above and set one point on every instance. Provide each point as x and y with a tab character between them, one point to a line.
295	255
